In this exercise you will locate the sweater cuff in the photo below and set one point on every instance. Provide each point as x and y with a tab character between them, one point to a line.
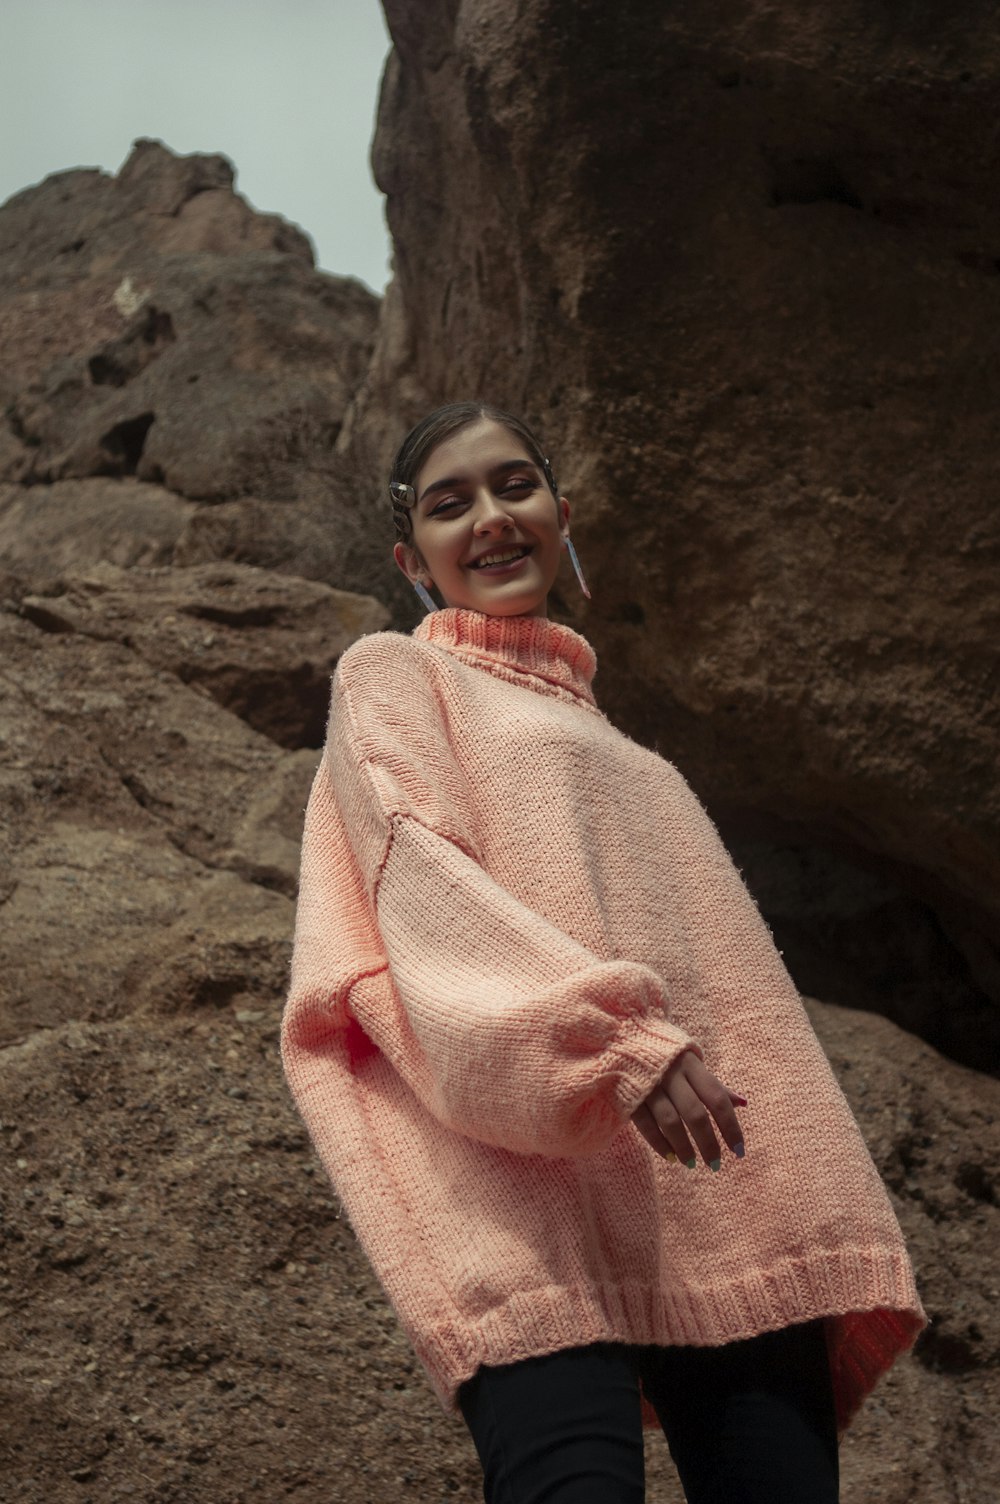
647	1050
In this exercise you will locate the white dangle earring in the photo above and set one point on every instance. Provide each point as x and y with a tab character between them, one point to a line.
425	596
567	542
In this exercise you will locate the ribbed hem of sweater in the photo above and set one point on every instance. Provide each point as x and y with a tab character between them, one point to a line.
525	644
862	1343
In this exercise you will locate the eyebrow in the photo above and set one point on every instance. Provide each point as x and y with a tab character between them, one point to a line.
461	480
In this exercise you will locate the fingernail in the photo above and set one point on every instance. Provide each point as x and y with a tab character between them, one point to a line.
691	1163
739	1149
740	1101
715	1164
671	1155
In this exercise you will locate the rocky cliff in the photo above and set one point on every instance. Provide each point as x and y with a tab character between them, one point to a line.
741	268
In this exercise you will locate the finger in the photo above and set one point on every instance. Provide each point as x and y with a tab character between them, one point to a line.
696	1116
718	1100
670	1125
646	1124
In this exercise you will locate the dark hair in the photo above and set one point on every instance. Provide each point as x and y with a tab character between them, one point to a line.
433	430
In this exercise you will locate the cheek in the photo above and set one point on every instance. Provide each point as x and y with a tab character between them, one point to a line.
446	552
551	543
426	546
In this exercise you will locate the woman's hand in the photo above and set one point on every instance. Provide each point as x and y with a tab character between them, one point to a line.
685	1100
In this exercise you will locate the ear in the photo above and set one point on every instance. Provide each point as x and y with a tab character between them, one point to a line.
410	562
562	507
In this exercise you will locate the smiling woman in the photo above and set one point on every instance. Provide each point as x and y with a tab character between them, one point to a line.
526	980
484	521
478	512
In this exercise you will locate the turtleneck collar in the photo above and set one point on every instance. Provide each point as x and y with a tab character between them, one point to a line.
555	658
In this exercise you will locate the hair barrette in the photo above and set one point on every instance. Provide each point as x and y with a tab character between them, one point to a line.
402	493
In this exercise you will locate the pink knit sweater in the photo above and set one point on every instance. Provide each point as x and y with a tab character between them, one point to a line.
511	920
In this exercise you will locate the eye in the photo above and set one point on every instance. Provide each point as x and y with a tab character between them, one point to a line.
515	485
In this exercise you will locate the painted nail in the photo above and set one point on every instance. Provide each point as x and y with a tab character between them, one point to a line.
669	1156
740	1101
715	1164
739	1149
691	1163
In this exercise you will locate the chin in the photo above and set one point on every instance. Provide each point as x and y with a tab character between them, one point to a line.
528	603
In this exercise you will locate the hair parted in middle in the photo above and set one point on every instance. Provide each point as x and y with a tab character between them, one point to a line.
432	431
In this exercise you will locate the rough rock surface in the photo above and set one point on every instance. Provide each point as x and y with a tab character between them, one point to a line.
45	530
741	267
156	327
149	848
194	1322
263	644
149	344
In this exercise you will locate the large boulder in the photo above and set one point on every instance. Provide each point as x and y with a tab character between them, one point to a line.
149	850
177	335
47	529
743	275
262	644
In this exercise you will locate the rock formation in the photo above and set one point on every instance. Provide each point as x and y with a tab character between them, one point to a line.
188	1318
156	329
742	274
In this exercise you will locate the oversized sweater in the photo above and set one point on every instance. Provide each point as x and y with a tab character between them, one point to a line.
512	919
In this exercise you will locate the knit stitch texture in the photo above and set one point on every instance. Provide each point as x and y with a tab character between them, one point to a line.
512	919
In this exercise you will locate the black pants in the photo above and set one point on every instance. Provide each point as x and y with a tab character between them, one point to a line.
749	1423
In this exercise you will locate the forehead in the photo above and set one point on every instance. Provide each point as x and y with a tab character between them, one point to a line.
476	447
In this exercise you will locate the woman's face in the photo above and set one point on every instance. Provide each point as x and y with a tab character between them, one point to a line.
479	494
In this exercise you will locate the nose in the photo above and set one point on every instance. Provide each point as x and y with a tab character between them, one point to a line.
490	513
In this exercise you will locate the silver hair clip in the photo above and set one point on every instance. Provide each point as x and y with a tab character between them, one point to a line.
401	493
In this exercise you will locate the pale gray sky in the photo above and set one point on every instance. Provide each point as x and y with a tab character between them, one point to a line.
286	89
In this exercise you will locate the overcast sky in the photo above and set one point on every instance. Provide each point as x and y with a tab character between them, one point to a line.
286	89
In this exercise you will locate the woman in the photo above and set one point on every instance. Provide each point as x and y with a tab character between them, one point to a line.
526	981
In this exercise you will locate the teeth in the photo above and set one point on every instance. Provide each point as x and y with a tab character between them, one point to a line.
510	553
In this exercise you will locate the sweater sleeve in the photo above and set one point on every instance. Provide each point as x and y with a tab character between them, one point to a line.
506	1028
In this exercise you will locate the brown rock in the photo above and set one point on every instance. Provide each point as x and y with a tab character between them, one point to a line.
266	839
734	277
156	326
223	1292
149	851
931	1127
45	530
264	645
161	336
123	788
324	535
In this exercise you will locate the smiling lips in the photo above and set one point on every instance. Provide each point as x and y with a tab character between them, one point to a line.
499	557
